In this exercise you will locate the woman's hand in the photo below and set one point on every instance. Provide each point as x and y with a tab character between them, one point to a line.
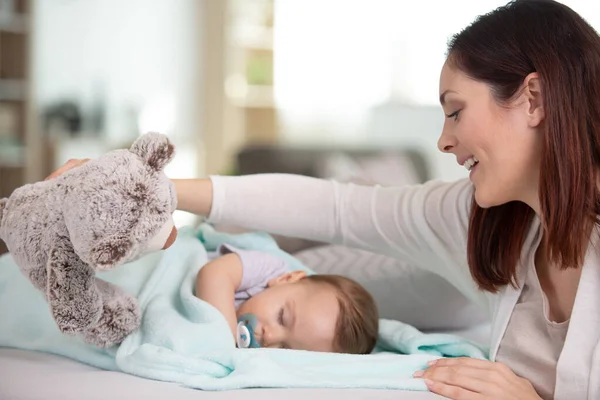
193	195
471	379
72	163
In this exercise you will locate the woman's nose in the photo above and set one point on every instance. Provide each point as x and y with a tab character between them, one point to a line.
446	142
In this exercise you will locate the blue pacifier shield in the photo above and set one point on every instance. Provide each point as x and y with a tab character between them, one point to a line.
245	332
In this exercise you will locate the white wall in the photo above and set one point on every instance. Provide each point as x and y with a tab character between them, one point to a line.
395	124
367	71
142	56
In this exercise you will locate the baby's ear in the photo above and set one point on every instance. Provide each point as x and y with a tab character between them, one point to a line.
155	149
290	277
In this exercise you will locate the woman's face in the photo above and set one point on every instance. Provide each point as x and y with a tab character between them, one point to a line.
499	144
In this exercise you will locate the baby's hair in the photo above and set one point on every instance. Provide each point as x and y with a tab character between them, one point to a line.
358	321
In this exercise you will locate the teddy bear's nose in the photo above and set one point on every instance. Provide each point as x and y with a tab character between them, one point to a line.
170	239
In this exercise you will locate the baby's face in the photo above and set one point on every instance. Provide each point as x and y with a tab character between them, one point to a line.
294	314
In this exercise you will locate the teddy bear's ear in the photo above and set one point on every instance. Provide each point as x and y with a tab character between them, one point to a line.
155	149
109	252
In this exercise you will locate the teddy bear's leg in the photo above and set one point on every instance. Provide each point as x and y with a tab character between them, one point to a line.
120	316
74	299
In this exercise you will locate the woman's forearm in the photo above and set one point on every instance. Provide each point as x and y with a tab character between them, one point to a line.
409	222
289	205
276	203
194	195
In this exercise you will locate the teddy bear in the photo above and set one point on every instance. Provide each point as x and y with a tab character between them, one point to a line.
107	212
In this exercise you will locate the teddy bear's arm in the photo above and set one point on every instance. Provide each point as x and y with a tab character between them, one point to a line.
120	316
75	301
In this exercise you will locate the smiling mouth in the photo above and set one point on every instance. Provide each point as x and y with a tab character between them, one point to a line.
471	163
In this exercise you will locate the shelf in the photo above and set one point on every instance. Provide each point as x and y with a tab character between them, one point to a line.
12	90
11	155
258	97
20	149
249	96
14	23
253	37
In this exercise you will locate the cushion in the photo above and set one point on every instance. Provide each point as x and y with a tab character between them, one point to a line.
402	291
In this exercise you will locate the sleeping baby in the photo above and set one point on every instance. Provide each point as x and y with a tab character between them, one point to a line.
268	306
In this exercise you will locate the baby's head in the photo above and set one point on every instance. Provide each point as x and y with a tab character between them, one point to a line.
327	313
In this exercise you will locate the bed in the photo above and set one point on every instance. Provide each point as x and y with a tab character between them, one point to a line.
402	291
28	375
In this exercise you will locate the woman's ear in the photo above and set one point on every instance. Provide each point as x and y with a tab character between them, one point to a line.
290	277
535	101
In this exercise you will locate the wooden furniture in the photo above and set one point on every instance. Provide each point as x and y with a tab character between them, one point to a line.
238	80
19	150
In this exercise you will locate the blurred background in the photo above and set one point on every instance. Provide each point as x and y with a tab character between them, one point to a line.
344	89
338	89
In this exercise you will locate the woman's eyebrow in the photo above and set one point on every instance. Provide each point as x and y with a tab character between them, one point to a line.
443	96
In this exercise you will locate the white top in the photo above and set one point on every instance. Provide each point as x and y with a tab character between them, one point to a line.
532	343
426	225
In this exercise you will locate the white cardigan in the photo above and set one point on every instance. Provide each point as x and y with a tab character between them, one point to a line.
426	225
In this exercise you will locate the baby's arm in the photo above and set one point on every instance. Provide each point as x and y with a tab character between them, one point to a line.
217	283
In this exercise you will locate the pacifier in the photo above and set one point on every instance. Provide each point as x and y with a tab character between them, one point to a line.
245	332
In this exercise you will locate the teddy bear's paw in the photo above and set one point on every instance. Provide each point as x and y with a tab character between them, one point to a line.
120	317
75	317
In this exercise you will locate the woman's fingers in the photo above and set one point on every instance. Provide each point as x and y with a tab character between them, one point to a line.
452	392
72	163
497	367
470	378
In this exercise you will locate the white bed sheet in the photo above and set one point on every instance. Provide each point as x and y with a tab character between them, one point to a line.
27	375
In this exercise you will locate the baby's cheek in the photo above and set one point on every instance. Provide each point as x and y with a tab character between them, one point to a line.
247	307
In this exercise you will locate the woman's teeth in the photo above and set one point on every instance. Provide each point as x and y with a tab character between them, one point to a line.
470	163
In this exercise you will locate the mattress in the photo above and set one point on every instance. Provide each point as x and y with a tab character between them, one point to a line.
28	375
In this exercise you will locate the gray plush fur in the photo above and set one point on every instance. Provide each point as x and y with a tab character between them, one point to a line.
91	218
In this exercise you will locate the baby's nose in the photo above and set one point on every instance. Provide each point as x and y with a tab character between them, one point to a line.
271	336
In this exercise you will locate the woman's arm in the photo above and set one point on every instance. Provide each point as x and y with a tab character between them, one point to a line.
425	225
216	284
415	222
292	205
194	195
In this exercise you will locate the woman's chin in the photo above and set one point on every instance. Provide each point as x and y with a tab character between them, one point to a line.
485	199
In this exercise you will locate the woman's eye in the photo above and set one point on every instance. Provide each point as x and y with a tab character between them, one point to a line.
280	317
453	115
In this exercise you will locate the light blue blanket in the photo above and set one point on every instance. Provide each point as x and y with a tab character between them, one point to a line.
185	340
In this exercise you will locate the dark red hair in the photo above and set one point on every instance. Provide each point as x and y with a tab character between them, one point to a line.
500	49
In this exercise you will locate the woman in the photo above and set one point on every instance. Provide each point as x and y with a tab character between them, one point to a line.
520	90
